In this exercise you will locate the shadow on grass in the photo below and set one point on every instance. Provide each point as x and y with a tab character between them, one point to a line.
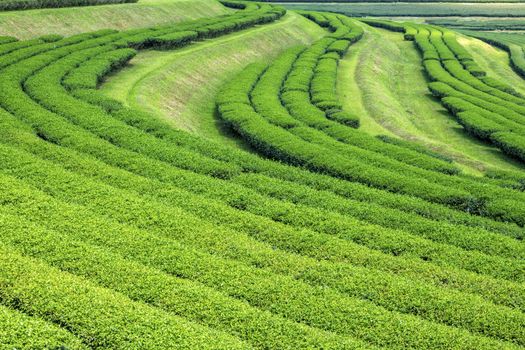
226	132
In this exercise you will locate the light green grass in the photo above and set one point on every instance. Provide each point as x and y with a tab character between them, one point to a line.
493	60
67	21
180	86
383	81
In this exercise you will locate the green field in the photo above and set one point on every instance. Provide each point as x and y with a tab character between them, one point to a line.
482	24
235	175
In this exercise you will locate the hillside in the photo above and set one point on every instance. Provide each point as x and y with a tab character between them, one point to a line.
385	71
67	21
235	175
168	80
12	5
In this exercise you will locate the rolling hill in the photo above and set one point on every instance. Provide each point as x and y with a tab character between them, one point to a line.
233	175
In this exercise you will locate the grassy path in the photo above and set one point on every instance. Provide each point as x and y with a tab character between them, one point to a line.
67	21
382	80
180	86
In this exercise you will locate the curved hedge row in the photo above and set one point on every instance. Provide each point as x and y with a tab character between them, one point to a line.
89	169
162	225
255	283
66	97
20	331
144	122
254	164
487	108
322	59
95	313
515	51
296	99
89	75
242	116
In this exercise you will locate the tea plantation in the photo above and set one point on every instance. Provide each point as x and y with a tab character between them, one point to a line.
292	226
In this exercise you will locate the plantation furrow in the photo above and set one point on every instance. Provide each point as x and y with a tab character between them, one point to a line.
243	118
45	88
118	231
181	297
379	215
96	52
158	129
266	85
483	100
389	241
460	66
298	96
99	317
11	93
250	163
509	142
506	247
443	90
354	135
171	251
21	331
491	113
190	158
265	97
259	227
87	76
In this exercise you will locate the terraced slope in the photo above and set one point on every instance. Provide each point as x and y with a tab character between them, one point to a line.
267	106
487	108
119	231
383	81
511	42
69	21
173	86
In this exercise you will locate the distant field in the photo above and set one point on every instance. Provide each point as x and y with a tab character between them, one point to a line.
415	9
481	24
511	38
